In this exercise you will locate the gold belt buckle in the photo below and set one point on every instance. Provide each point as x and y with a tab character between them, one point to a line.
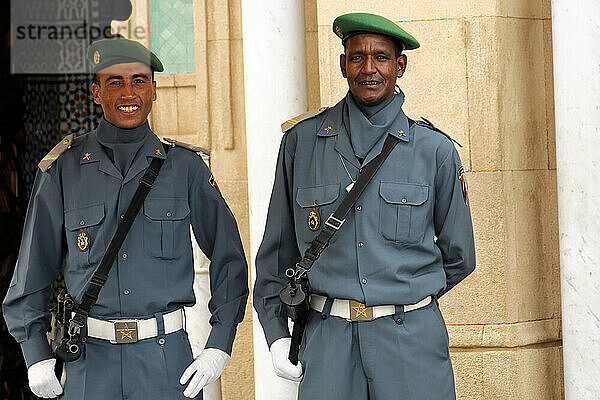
358	311
126	331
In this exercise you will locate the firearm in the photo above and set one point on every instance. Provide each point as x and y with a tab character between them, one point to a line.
64	340
295	296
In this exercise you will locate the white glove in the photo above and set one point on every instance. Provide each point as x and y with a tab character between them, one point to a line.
42	379
280	350
206	368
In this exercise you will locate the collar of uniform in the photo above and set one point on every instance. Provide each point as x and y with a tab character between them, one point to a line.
333	121
153	147
400	127
91	152
338	130
332	124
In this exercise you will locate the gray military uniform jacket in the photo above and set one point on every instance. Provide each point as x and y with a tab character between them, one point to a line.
409	236
153	273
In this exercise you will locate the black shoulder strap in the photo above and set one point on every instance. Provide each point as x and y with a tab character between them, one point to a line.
336	220
101	275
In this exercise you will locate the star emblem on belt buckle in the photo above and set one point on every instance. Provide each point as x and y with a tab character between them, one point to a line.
126	331
358	311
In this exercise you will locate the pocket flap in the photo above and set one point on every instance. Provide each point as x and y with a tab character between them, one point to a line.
166	209
317	195
413	194
84	217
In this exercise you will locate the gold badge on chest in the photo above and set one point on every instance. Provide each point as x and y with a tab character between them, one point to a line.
314	219
83	240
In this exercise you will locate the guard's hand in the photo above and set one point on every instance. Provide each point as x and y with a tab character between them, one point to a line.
280	350
42	379
205	369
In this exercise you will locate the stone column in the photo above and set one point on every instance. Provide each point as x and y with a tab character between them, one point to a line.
577	95
275	83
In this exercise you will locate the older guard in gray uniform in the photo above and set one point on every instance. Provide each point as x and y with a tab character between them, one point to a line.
375	330
81	193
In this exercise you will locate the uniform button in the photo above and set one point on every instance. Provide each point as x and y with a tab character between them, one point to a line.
169	214
360	170
126	292
122	216
82	222
360	244
403	200
316	202
83	339
358	208
161	341
124	255
364	281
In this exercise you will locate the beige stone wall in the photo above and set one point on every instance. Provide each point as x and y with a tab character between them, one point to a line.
206	108
483	74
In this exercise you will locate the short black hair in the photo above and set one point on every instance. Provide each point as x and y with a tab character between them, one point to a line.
398	46
96	78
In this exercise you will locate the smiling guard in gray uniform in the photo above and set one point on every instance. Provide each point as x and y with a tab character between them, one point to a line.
375	330
82	190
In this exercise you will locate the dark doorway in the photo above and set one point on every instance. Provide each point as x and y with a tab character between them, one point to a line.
36	112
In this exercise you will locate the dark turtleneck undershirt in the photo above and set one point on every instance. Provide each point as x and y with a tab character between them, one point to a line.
121	144
367	124
370	111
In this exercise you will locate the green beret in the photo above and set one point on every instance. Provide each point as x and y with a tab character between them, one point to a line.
348	25
106	52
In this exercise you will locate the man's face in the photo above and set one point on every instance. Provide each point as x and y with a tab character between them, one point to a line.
126	92
371	67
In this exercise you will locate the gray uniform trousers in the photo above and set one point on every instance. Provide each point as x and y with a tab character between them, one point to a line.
379	359
146	370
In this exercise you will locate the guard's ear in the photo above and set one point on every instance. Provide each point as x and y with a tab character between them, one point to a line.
401	62
96	93
343	64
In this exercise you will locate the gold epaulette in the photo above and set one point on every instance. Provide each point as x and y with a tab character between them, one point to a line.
290	123
55	153
426	123
188	146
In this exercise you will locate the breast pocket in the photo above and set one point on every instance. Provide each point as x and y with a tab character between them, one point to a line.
83	232
402	211
166	225
316	204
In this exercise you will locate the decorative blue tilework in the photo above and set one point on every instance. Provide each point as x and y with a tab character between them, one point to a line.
172	34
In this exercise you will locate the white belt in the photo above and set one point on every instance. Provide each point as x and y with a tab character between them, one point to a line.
355	311
132	330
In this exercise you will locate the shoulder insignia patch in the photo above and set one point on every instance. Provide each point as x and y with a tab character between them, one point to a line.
463	182
290	123
426	123
213	182
191	147
56	151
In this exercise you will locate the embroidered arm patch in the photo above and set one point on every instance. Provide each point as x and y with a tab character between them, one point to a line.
465	186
